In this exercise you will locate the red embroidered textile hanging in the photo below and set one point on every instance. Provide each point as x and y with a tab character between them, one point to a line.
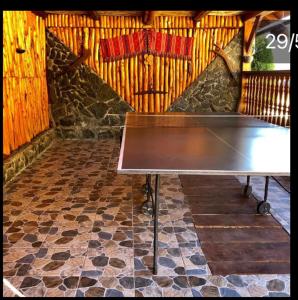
123	46
164	44
146	41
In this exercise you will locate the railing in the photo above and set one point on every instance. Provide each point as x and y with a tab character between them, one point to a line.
266	94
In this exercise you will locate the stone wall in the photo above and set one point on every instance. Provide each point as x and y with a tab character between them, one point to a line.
215	90
83	105
26	155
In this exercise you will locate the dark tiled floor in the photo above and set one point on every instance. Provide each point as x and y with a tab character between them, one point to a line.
73	227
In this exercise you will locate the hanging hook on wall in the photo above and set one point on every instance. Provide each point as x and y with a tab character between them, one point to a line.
84	55
20	50
21	46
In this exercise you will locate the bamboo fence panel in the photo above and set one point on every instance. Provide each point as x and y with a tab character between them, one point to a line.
25	97
136	74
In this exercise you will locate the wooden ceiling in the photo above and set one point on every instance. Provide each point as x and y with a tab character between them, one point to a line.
148	16
186	13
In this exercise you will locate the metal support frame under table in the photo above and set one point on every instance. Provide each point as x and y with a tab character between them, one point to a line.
263	207
151	207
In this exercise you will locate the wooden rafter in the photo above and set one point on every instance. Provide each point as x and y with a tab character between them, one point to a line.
253	14
251	21
134	13
277	15
93	14
250	15
249	43
200	14
40	13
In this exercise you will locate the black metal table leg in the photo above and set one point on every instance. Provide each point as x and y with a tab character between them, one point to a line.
263	206
247	189
148	186
156	210
147	206
266	188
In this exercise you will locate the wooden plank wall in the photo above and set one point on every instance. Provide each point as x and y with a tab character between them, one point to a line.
128	76
25	96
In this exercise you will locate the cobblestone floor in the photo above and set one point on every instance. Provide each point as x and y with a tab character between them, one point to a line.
73	227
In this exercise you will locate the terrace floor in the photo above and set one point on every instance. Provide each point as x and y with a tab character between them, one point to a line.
73	227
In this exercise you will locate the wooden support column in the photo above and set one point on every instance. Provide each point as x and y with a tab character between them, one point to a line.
248	41
251	22
250	28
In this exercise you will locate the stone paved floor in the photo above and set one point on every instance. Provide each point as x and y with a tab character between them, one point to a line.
73	227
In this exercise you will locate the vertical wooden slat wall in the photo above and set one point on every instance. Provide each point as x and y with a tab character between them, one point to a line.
25	96
132	75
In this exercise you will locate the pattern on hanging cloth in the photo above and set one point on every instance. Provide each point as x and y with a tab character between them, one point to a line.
146	41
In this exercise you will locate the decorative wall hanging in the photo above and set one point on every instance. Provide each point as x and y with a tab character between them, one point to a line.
164	44
123	46
146	41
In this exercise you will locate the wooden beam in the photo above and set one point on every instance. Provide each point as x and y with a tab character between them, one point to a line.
200	14
253	14
93	14
250	28
277	15
249	42
40	13
133	13
124	13
149	16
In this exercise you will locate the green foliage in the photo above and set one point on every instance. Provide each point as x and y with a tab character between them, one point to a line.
263	57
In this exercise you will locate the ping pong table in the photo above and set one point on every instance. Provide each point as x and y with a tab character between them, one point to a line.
202	144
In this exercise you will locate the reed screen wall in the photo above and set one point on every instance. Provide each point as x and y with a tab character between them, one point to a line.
25	96
131	75
267	95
